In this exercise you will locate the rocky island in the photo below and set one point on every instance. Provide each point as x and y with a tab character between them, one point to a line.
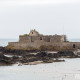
35	48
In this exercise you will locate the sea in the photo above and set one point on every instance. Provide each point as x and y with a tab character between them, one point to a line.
68	70
4	42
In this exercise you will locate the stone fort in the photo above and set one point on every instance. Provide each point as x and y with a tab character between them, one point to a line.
35	40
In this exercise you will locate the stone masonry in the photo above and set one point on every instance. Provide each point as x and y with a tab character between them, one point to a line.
35	40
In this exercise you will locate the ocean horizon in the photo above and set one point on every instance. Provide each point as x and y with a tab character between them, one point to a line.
4	42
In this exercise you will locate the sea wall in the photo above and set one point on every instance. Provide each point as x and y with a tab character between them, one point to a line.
45	45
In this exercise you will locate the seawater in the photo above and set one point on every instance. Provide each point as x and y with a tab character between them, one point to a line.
68	70
4	42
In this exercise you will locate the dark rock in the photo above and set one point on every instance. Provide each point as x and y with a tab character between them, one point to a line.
2	49
66	53
42	54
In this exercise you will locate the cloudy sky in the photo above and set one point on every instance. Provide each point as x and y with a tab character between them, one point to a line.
18	17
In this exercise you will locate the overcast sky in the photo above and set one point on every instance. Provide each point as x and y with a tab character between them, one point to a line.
18	17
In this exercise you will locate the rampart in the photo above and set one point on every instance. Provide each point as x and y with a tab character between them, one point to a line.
36	41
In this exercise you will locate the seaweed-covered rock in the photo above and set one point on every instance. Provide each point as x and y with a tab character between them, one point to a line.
42	54
66	53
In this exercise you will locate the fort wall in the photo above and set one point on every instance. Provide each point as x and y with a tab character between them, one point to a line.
55	38
38	44
36	40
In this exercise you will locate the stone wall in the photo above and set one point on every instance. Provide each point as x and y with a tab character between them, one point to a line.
24	39
55	38
38	44
56	41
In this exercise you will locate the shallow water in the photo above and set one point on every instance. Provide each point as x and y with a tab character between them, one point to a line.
68	70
